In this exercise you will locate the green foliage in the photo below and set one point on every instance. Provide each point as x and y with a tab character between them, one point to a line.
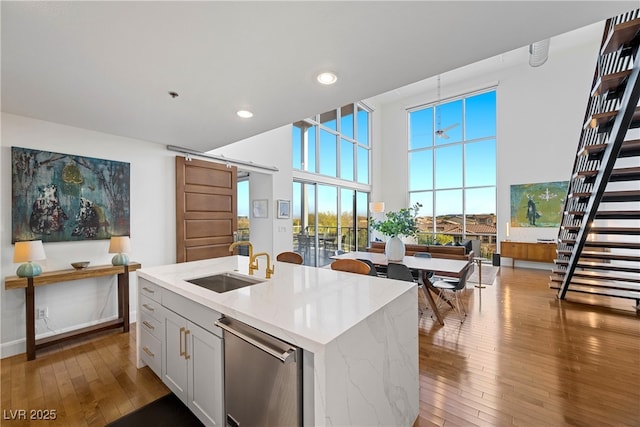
401	223
430	239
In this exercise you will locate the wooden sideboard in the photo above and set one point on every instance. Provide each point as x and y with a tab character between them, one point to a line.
30	283
528	251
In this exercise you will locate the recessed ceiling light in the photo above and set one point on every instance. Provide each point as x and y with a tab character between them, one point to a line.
327	78
245	114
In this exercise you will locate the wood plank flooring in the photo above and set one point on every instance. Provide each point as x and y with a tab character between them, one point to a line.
522	358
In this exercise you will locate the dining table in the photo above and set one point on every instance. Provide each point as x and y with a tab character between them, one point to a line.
440	266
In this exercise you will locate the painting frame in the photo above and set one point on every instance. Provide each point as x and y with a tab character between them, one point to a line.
537	205
60	197
260	208
284	209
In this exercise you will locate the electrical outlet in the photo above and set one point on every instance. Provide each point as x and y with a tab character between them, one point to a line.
42	313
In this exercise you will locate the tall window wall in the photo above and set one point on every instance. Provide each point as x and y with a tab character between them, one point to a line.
452	169
331	162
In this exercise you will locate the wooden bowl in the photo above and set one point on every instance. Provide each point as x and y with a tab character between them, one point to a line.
80	265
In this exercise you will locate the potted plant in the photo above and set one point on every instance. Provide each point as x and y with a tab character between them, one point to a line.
401	223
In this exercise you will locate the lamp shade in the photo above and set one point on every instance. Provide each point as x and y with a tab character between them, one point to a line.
376	207
28	251
119	245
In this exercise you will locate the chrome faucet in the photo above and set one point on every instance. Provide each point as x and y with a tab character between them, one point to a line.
253	264
270	270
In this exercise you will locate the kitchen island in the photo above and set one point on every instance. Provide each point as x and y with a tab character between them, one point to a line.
359	334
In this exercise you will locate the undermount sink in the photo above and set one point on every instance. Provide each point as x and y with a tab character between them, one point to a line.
224	282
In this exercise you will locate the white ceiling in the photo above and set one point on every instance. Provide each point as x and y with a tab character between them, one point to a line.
108	66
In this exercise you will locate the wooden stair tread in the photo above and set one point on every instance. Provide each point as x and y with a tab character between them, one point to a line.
630	148
618	293
609	81
592	275
608	214
601	255
603	244
610	196
604	119
630	231
621	34
600	266
633	287
617	175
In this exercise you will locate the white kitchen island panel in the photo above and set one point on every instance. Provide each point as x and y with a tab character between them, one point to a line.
359	334
369	375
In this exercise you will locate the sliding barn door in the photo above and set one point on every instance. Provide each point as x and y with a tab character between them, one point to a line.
205	209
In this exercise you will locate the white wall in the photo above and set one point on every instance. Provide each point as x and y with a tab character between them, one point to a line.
540	113
271	148
84	302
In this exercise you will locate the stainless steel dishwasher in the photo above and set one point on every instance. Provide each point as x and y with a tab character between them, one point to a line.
262	377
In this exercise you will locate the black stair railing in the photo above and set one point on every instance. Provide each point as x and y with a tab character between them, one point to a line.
616	136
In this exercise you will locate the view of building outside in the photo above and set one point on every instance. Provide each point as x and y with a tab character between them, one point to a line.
452	170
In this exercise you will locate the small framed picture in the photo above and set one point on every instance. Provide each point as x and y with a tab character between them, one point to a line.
261	208
284	209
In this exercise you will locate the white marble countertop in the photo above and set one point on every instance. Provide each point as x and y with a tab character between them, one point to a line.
306	306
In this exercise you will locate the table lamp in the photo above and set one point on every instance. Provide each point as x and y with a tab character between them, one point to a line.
27	252
119	245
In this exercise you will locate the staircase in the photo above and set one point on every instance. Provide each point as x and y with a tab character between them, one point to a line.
599	239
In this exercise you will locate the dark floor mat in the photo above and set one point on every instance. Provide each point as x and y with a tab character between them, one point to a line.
168	411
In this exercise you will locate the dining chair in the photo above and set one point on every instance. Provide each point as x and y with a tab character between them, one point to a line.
455	287
290	257
350	265
426	275
399	272
372	268
402	272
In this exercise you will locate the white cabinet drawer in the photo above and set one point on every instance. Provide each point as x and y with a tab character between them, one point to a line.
150	290
151	325
151	352
150	307
197	313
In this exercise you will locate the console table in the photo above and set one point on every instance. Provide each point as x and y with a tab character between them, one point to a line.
30	283
528	251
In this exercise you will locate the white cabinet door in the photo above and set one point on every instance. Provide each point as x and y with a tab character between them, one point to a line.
205	375
174	364
192	368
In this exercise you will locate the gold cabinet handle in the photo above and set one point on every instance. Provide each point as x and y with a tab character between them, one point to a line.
148	325
186	355
148	307
149	352
182	352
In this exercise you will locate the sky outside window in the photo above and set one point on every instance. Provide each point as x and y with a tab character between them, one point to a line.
464	160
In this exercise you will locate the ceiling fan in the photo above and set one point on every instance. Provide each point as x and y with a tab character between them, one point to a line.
440	132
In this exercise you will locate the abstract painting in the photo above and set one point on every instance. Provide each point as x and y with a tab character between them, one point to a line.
538	205
61	197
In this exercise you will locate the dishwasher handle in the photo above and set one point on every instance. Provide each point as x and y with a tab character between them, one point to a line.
284	357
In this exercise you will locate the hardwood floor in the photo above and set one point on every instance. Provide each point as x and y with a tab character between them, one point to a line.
521	358
90	383
524	358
